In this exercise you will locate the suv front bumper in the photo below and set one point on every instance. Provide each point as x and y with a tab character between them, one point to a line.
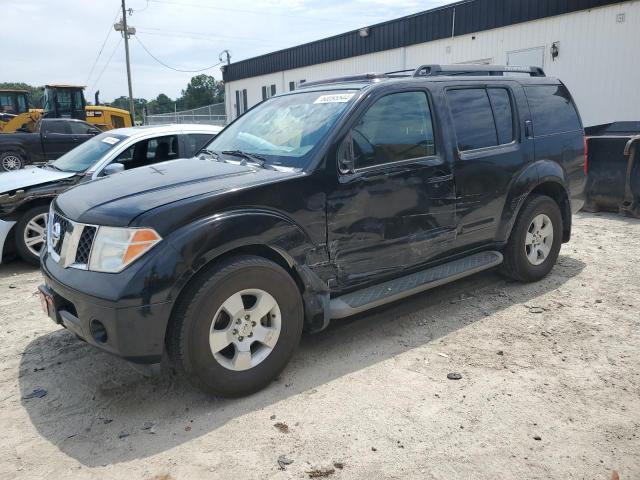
135	333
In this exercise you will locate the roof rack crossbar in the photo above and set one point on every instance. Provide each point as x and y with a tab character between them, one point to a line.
492	70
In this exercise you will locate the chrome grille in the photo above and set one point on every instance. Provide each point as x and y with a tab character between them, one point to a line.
69	243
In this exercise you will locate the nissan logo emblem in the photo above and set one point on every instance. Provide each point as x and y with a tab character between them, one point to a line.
55	234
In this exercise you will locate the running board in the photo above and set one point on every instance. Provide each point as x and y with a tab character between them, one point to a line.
376	295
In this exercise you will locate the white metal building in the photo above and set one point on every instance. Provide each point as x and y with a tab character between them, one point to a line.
591	45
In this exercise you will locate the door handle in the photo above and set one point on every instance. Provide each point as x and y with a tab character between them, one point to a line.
528	129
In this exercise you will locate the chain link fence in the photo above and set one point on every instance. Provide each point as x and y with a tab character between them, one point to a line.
211	115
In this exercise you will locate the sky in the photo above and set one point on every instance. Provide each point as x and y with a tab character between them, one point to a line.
45	41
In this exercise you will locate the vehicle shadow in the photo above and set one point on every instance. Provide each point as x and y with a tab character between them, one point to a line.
12	266
99	411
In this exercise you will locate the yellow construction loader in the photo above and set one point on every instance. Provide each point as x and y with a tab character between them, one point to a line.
58	101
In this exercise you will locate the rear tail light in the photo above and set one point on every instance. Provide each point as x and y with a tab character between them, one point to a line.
586	155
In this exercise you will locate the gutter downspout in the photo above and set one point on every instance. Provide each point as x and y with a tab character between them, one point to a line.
453	23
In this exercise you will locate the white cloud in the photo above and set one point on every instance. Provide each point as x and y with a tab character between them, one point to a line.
187	34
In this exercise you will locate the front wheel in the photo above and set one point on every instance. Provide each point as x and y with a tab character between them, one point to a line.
31	234
236	326
535	240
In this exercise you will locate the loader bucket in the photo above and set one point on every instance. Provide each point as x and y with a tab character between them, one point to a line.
613	175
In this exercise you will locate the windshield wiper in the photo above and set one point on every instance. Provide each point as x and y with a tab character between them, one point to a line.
51	165
252	157
215	155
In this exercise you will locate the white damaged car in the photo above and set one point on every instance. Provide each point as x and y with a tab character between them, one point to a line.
25	194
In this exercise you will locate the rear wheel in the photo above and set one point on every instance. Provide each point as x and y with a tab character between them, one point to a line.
11	161
535	240
236	326
30	234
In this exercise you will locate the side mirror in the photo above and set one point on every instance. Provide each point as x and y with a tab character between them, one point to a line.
346	163
91	131
112	168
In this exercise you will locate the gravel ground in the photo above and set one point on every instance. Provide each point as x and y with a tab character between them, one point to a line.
550	387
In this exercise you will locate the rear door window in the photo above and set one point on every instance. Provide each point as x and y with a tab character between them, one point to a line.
473	118
482	117
396	127
552	110
502	114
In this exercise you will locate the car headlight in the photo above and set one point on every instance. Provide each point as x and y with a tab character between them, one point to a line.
114	248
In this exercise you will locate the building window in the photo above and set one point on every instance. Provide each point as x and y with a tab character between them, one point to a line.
242	105
292	86
268	92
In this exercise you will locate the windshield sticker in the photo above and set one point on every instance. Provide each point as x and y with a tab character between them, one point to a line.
111	140
337	98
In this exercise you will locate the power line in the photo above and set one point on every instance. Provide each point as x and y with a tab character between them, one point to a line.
169	66
102	47
106	64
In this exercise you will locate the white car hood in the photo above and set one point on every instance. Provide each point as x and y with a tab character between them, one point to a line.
28	177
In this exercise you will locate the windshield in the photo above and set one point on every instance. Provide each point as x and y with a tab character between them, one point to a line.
284	130
88	153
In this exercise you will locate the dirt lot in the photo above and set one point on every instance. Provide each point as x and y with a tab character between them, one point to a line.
550	387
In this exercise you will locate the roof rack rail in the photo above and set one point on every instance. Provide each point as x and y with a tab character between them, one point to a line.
480	70
345	79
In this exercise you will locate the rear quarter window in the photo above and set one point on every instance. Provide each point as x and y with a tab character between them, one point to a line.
552	110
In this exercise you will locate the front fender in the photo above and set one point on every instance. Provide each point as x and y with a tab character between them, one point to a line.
203	241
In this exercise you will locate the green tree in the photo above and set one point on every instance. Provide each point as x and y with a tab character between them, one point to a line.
123	103
161	104
202	90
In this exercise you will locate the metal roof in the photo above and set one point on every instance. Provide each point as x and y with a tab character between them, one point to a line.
471	16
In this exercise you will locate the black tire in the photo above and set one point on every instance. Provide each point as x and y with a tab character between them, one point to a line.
516	265
188	333
10	161
22	248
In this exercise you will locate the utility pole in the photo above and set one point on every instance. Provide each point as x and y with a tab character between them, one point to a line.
126	31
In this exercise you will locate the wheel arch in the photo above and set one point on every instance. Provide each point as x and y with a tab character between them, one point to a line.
540	178
284	243
558	193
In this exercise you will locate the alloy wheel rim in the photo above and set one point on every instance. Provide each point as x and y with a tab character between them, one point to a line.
539	239
11	162
245	329
34	235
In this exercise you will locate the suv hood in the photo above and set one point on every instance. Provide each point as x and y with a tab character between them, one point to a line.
118	199
20	179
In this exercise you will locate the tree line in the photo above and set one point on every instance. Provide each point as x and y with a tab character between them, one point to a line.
201	90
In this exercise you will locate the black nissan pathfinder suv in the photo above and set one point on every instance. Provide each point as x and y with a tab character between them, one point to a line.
315	205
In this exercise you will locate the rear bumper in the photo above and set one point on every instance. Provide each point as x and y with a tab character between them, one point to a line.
5	228
135	333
